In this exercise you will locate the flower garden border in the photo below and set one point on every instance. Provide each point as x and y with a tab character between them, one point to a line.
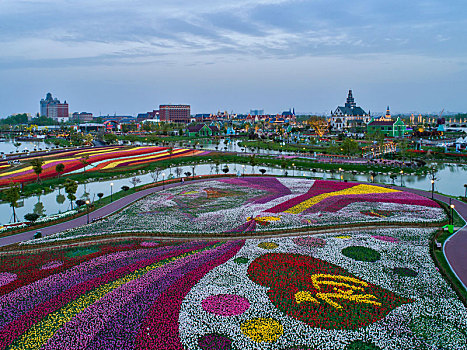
444	267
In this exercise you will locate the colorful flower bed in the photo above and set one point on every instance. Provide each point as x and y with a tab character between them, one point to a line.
262	204
128	296
303	292
313	296
106	157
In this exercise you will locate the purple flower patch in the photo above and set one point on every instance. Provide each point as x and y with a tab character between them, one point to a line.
225	304
214	341
51	265
7	277
386	239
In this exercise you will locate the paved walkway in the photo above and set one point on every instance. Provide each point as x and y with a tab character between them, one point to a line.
82	220
455	248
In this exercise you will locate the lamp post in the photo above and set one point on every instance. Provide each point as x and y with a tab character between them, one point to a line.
340	174
465	190
452	214
243	166
163	180
402	173
87	209
111	191
432	188
293	169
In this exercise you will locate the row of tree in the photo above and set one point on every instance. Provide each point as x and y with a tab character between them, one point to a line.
13	193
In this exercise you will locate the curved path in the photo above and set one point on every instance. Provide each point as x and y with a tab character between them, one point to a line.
455	248
82	220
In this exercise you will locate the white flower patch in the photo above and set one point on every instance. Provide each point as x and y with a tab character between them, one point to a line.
212	207
432	299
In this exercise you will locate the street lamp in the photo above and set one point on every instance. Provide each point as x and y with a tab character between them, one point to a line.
243	166
402	173
293	169
432	188
465	190
111	191
87	209
340	174
452	214
163	182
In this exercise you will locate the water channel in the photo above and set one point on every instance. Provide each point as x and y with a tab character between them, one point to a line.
450	180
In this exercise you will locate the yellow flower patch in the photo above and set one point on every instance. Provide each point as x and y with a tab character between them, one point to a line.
268	245
359	189
262	329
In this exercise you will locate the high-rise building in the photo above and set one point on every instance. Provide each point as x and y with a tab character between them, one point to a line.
256	111
53	108
175	113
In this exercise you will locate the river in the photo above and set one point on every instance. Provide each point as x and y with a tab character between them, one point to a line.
450	180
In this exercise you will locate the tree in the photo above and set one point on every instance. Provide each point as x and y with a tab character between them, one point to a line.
134	181
262	171
70	188
59	168
31	217
37	166
17	144
432	171
253	162
193	166
187	174
283	163
225	170
84	161
350	146
155	174
80	202
110	138
60	199
100	195
88	139
12	195
125	188
217	162
15	119
178	171
39	209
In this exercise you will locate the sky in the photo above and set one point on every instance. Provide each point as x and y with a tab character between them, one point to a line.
129	56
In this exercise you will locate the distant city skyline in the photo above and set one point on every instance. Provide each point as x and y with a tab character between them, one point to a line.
115	56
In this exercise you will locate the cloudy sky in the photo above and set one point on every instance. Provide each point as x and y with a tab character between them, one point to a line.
129	56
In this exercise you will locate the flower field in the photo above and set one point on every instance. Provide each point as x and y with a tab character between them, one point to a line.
263	204
376	289
102	157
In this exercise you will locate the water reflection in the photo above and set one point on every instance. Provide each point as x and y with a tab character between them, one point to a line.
451	179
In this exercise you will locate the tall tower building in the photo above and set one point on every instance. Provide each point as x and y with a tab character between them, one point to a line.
53	108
